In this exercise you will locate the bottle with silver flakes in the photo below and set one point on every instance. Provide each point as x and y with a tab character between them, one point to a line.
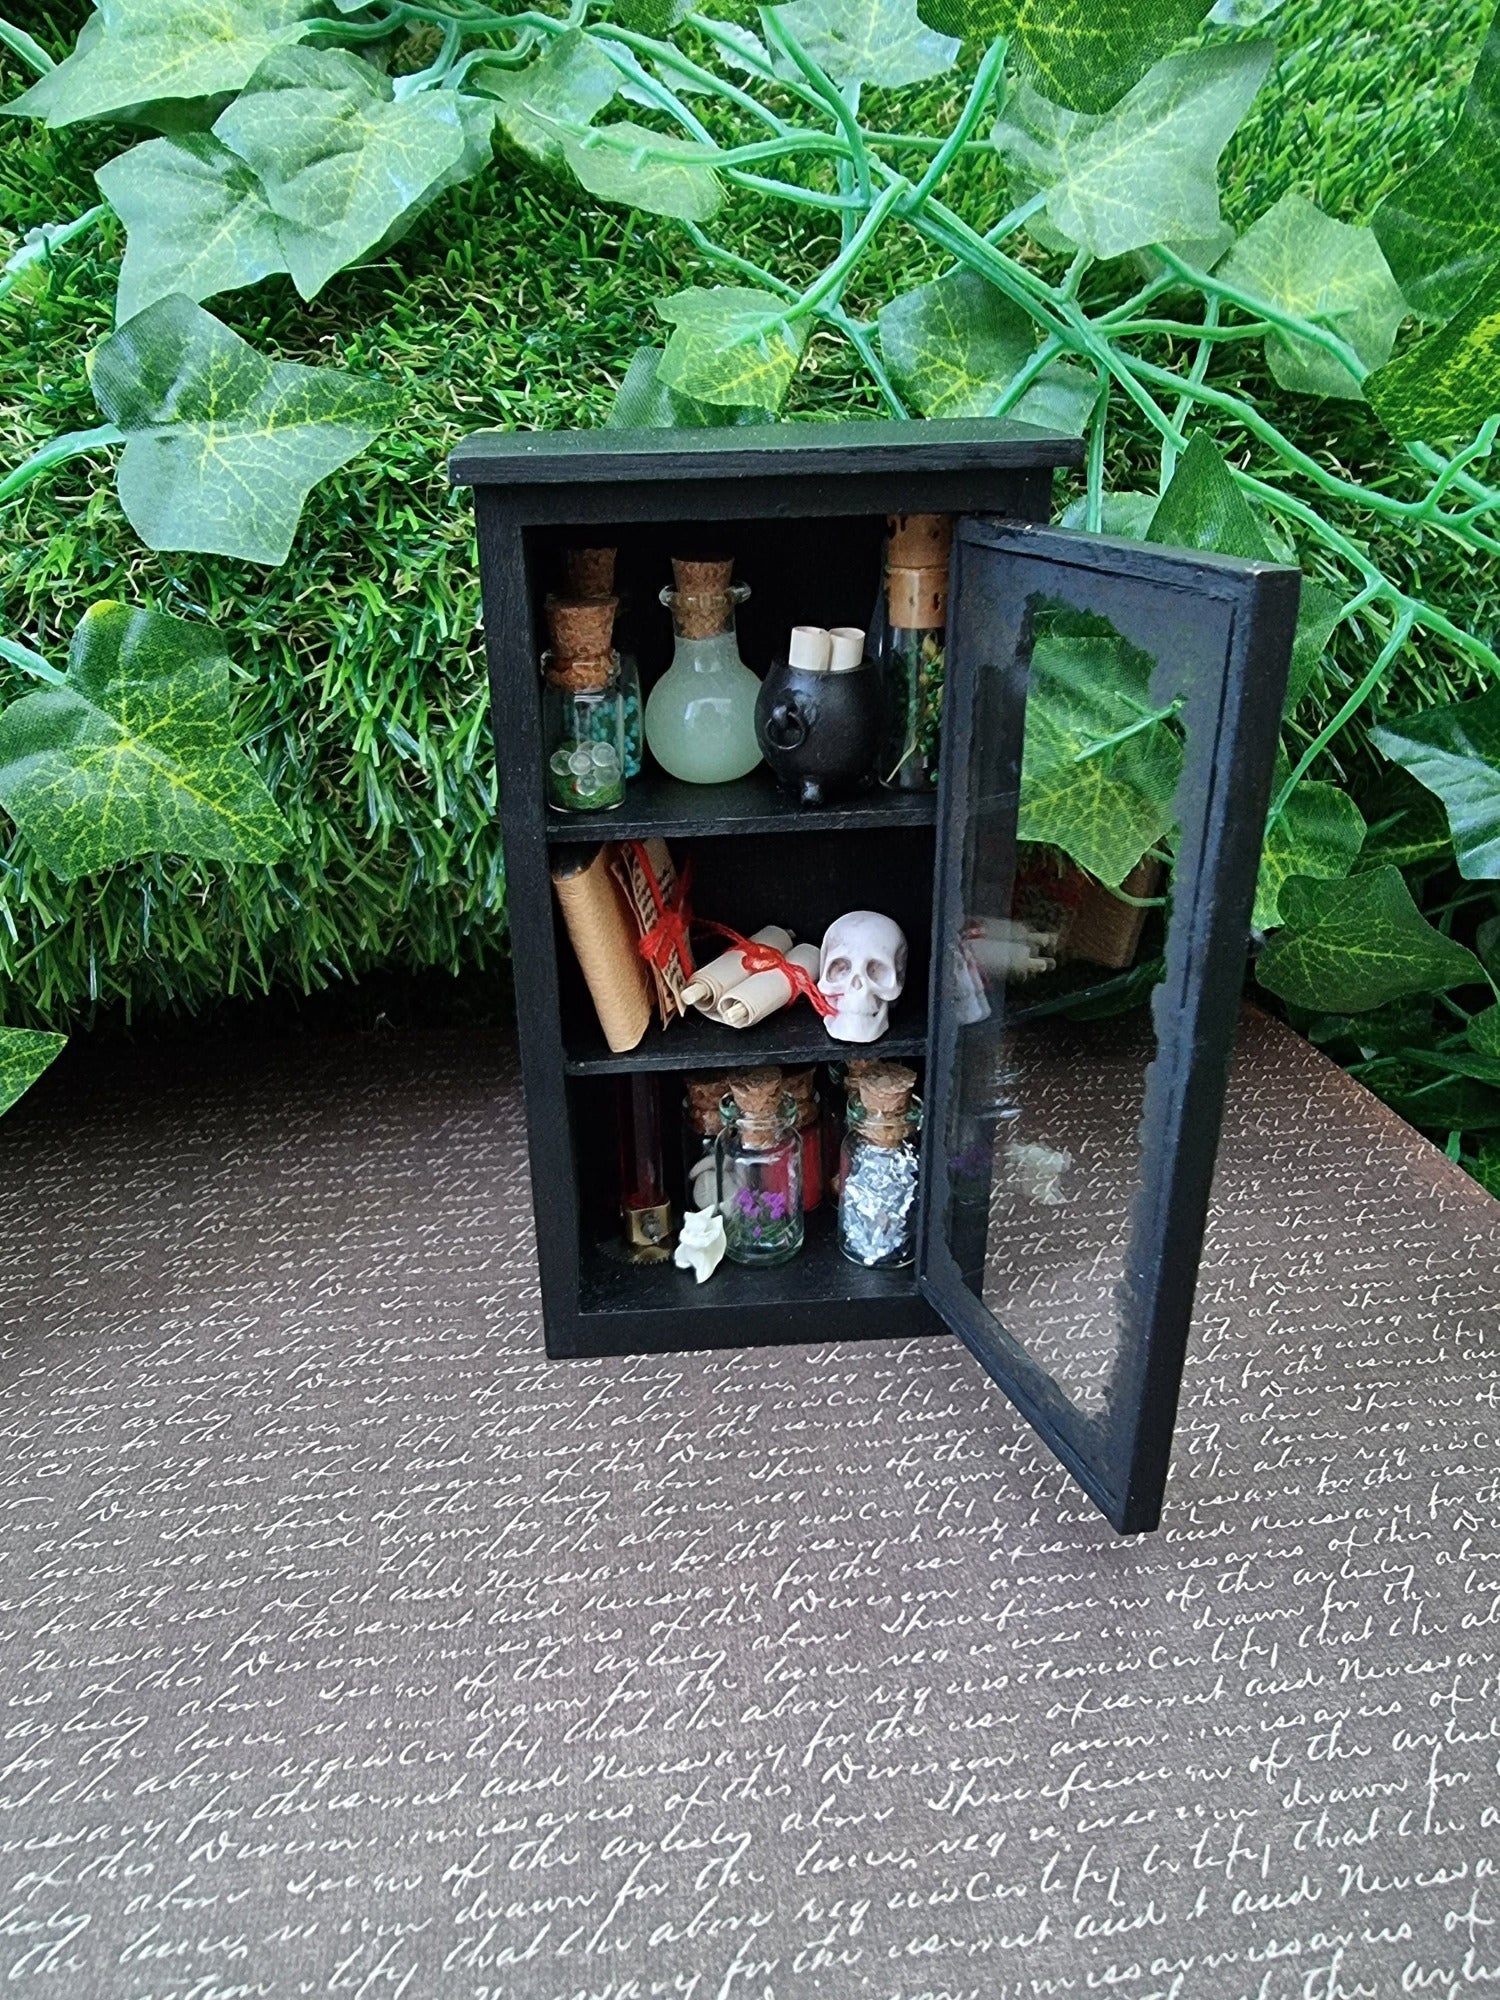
879	1169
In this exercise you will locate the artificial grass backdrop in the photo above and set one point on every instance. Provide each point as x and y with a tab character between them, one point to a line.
518	303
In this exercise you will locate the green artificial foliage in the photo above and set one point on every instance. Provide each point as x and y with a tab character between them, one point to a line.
197	221
345	164
1440	225
1348	945
1144	172
729	345
1313	268
642	169
24	1054
1455	752
132	753
1084	53
1318	837
139	53
1094	217
1449	384
954	347
882	42
221	445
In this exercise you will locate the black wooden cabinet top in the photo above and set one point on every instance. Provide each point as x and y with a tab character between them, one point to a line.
786	450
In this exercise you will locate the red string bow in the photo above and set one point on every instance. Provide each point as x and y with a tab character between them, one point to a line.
669	934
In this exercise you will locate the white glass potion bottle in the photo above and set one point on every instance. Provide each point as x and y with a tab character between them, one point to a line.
700	716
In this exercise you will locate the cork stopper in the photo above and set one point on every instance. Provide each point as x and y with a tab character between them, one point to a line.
799	1086
582	629
757	1094
919	541
705	1093
703	603
885	1094
916	600
702	576
591	572
857	1067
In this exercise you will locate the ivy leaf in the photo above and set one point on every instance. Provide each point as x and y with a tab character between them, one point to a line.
134	753
1082	53
24	1054
955	345
1408	827
624	163
1105	810
1318	836
1145	172
1127	515
729	345
342	163
1487	945
1483	1031
567	86
1202	508
642	402
1303	262
221	445
1355	944
1440	226
195	218
137	52
882	42
1446	385
1455	752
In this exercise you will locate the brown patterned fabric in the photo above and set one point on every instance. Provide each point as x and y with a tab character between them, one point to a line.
348	1646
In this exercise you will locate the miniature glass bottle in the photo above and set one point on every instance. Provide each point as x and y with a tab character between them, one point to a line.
879	1170
702	1122
591	573
802	1087
644	1208
583	715
700	717
912	649
760	1170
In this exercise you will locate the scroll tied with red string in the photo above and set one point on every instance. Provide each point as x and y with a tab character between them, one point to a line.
665	940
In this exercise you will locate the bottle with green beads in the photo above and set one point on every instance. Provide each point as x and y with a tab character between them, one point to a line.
583	708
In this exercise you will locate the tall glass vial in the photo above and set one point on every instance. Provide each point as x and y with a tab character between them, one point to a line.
644	1208
591	573
802	1088
880	1169
700	717
583	715
760	1170
912	649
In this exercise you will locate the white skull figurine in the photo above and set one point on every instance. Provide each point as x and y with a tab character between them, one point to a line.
863	969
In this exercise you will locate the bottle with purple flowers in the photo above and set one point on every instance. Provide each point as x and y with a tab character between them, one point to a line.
760	1170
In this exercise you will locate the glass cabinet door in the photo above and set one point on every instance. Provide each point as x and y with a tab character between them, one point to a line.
1111	721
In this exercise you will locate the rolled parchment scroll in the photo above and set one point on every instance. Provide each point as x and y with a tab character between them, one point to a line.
763	992
712	981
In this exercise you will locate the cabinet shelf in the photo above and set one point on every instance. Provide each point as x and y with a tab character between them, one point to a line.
796	1036
819	1274
658	806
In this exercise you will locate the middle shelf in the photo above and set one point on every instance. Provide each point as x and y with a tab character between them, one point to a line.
659	806
794	1037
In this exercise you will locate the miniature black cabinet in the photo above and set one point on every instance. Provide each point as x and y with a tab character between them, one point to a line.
1092	1357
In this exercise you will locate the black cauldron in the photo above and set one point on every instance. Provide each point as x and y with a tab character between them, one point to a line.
820	732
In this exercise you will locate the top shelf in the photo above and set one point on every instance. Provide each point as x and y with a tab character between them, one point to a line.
660	806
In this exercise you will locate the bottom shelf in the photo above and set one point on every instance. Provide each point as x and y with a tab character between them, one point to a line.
818	1275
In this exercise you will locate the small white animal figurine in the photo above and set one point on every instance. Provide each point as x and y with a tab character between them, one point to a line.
863	970
701	1243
